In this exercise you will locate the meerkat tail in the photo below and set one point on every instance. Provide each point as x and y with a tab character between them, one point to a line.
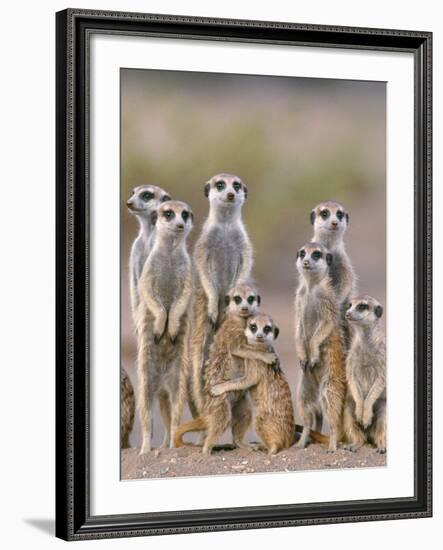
317	437
196	425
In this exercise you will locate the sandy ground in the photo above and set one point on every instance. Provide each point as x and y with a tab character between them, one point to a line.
188	461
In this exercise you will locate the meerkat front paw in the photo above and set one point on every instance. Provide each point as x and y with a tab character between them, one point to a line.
216	390
381	450
359	413
367	418
159	329
312	364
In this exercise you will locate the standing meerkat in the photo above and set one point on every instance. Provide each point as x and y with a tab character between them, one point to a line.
127	408
318	341
165	289
268	388
330	221
222	365
365	407
144	200
222	258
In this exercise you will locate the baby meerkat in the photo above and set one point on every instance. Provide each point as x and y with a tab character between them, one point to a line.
144	200
223	364
127	408
268	388
165	289
330	221
222	258
365	406
318	341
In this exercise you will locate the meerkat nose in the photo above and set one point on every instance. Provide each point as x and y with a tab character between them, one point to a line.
231	196
180	226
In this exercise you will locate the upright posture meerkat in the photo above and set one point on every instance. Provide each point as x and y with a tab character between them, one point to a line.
222	365
145	199
222	257
165	289
127	408
330	221
268	388
318	341
365	407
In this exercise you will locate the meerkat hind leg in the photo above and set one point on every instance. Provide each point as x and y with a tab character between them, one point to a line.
165	411
241	420
304	438
219	423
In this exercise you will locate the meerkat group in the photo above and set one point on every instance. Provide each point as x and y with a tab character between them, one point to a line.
202	338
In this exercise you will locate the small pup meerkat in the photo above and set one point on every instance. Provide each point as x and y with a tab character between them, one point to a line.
318	341
223	364
330	221
165	289
144	200
222	258
365	406
268	388
127	408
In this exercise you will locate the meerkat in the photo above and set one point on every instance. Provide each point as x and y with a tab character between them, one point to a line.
144	200
222	257
365	406
318	340
330	221
127	408
165	289
268	388
223	364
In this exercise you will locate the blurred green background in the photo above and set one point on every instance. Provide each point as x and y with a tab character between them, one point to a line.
294	141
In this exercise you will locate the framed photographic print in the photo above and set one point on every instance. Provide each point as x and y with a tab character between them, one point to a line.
243	274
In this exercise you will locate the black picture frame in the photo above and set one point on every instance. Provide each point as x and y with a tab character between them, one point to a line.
74	28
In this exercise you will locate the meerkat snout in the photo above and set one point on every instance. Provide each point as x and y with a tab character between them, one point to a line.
313	257
363	310
226	189
242	300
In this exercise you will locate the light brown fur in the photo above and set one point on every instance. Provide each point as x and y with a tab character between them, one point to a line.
319	345
221	366
268	388
127	409
365	407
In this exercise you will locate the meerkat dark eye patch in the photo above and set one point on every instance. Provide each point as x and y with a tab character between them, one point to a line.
362	307
237	299
316	255
237	186
253	328
340	215
220	185
349	306
169	214
146	196
267	329
302	254
165	198
185	216
251	299
378	310
325	214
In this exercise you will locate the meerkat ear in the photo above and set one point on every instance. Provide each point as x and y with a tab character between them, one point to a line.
312	217
378	310
207	189
227	299
258	299
245	191
329	258
192	217
276	332
347	217
154	217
